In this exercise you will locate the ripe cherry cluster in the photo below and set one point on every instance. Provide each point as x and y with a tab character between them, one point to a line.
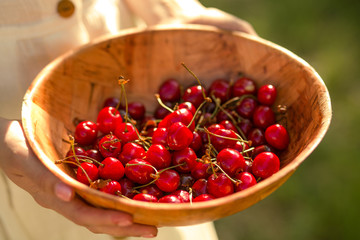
199	144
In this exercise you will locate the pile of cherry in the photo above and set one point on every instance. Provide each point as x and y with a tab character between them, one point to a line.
199	144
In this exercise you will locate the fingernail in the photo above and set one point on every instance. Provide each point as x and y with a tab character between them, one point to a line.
149	235
124	223
64	192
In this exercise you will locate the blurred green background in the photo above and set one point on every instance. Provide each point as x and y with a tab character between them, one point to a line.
321	200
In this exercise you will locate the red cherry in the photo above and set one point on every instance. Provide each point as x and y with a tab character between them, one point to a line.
203	198
183	195
196	143
246	107
136	110
224	138
201	170
231	161
245	126
246	180
86	133
257	137
130	151
158	156
199	187
139	171
127	187
168	181
160	136
145	197
189	106
79	152
228	125
107	119
111	102
179	136
265	164
263	116
243	86
112	187
277	136
111	168
267	94
194	94
87	170
261	148
161	112
180	115
152	189
94	154
170	91
219	185
126	132
186	157
169	199
110	146
220	88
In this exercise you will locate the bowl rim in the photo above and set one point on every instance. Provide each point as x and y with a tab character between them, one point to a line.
284	173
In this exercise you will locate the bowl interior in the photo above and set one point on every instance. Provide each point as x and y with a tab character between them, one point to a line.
75	85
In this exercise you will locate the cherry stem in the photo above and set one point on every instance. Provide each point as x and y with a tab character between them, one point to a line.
196	112
233	180
229	138
199	82
122	83
162	103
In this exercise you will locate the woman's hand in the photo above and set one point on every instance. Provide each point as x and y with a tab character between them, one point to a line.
24	169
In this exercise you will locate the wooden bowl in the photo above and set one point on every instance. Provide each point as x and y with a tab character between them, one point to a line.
75	85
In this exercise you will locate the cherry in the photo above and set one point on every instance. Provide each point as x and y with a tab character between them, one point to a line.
186	181
199	187
109	146
161	112
107	119
231	161
170	199
139	171
160	136
170	90
126	132
111	102
127	187
136	110
180	115
261	148
201	170
223	115
196	142
130	151
145	197
111	168
214	127
267	94
183	195
204	197
179	136
241	146
168	181
223	138
158	156
152	189
219	185
245	126
265	165
112	187
94	154
247	107
243	86
194	94
263	116
86	133
257	137
277	136
246	180
186	158
87	173
228	125
189	106
220	88
79	153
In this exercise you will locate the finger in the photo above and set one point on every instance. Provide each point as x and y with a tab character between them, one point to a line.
136	230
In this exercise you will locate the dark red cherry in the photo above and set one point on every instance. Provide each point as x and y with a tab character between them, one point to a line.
170	91
168	181
136	110
94	154
161	112
267	94
257	137
130	151
228	125
111	168
199	187
139	171
111	102
265	165
201	170
110	146
144	197
87	173
79	152
127	187
196	143
246	180
263	116
231	161
158	156
203	198
220	88
152	189
194	94
179	136
277	136
107	119
247	107
112	187
170	199
186	158
243	86
186	181
86	133
219	185
126	132
245	126
261	148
